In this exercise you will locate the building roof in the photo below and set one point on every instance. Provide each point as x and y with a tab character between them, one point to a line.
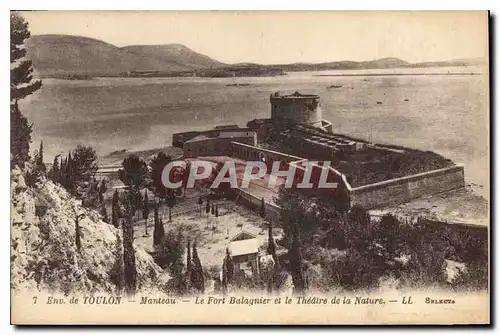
198	138
242	235
244	247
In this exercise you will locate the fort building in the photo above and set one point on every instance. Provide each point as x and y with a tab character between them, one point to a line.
368	174
298	108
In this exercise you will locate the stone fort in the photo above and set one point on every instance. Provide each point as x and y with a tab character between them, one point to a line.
371	175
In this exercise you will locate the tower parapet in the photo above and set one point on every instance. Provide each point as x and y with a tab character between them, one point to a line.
301	108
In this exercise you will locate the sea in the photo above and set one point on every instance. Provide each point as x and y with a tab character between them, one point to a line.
445	110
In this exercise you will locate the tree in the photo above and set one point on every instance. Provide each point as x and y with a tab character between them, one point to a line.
188	258
171	200
145	212
83	164
200	203
133	175
207	207
20	137
54	172
21	79
171	252
224	279
197	279
271	246
116	274
104	213
262	211
229	266
129	267
40	165
78	233
21	85
296	265
115	209
159	231
157	165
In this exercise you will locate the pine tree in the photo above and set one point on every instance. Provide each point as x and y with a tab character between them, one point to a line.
78	233
271	246
104	213
171	201
200	202
69	173
138	201
115	209
157	165
188	258
78	241
228	264
21	79
296	266
207	207
197	279
20	137
159	231
224	278
145	212
129	267
54	172
116	274
262	211
40	165
62	171
21	85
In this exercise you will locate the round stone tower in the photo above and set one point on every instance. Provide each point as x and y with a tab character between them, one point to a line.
301	108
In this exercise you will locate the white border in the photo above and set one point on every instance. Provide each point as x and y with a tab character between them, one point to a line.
197	5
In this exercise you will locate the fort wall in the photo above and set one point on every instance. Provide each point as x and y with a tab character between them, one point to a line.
254	203
253	153
400	190
217	146
178	139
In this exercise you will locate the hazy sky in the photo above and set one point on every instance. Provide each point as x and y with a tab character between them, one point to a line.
284	37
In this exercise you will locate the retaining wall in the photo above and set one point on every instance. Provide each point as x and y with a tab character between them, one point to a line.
400	190
249	201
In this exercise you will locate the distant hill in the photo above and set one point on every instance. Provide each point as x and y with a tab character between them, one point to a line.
64	54
75	57
454	62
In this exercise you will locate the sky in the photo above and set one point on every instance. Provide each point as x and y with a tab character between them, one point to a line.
283	37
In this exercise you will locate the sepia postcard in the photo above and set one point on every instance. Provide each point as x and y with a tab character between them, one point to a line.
250	167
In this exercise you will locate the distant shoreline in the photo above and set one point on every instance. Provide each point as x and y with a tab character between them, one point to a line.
314	75
397	74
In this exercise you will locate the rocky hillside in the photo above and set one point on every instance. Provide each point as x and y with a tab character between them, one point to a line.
56	55
43	252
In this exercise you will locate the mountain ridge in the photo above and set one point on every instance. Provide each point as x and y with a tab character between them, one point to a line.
56	55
